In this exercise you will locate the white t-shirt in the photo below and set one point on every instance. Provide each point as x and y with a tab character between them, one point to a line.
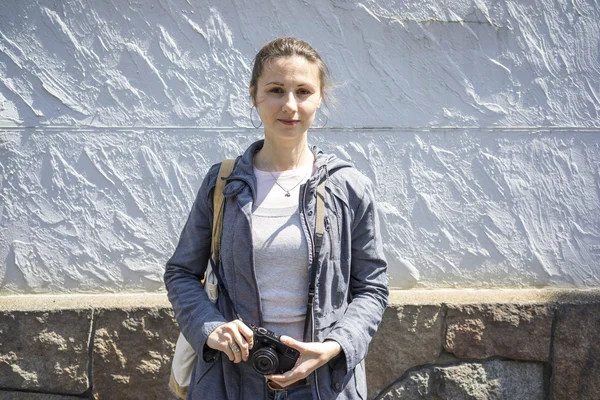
281	250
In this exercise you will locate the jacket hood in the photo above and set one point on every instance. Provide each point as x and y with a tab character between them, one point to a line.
243	172
330	161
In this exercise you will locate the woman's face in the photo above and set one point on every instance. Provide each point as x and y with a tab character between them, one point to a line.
287	97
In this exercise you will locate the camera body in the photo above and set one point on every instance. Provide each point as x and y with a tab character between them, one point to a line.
270	356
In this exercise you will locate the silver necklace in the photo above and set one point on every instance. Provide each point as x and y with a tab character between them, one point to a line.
287	191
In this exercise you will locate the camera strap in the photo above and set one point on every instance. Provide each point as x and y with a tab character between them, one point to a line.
223	290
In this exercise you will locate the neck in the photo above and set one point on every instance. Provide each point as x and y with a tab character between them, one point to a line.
282	157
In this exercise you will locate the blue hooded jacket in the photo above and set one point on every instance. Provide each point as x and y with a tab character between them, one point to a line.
351	290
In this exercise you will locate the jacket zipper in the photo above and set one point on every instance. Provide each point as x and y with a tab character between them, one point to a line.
331	241
312	326
311	255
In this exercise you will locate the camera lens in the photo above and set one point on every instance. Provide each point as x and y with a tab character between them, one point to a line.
265	361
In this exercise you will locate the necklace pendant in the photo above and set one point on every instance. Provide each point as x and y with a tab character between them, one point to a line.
287	194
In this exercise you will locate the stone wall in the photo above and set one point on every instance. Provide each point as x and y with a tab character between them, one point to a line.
460	344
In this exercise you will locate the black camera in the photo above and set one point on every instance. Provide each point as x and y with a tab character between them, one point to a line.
270	356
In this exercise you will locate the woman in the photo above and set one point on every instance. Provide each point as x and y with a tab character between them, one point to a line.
267	250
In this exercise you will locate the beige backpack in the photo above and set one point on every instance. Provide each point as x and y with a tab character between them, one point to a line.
184	358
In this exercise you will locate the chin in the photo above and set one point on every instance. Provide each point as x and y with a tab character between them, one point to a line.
287	132
292	135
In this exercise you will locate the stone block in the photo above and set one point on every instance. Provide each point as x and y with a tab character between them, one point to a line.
132	353
46	351
576	353
517	331
408	336
34	396
471	381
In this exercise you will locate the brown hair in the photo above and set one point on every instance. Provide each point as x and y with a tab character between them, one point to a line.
288	47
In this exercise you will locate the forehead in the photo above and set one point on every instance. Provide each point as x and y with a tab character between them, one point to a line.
290	70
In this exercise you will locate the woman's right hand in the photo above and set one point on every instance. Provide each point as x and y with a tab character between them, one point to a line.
234	335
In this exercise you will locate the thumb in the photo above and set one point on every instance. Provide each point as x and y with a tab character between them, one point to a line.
291	342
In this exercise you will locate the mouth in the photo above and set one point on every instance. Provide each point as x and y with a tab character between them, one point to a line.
290	122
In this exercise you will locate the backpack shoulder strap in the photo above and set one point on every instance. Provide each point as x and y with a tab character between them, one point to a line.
319	229
319	225
218	201
320	214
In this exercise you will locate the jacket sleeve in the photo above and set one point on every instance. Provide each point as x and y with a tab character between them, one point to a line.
196	315
368	284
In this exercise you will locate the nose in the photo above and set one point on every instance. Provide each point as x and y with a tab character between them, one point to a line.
291	105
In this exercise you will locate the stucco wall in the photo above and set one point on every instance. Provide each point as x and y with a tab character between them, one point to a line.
478	120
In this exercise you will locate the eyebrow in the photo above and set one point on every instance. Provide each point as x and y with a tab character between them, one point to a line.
281	84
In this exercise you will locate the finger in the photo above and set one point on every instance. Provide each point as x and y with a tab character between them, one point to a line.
228	338
246	332
242	345
237	352
284	382
286	378
227	350
224	343
277	378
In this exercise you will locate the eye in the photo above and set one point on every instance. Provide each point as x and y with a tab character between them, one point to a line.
276	90
304	92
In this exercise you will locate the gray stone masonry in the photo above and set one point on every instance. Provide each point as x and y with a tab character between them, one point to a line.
487	330
471	381
576	352
408	336
45	350
133	349
34	396
453	344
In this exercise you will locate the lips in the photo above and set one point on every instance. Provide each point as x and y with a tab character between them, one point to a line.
290	122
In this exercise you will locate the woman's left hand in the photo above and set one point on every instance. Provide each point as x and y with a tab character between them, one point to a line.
312	356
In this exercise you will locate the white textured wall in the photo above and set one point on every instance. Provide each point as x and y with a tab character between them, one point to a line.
478	120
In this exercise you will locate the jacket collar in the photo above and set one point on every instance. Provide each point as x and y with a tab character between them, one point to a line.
243	172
